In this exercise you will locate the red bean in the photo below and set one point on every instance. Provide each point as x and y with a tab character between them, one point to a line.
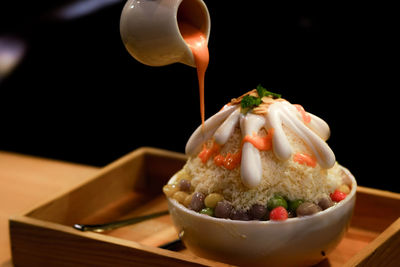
197	202
239	215
184	185
223	209
257	212
325	202
291	214
307	208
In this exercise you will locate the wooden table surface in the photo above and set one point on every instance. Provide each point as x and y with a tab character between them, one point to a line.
26	181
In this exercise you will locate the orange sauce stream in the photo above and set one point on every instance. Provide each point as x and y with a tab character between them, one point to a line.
305	159
261	143
197	41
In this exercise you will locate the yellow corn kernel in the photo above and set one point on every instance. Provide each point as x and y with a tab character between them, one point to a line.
187	200
344	188
212	199
170	189
180	196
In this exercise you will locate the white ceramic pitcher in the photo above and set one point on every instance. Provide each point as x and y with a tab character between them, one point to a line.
150	32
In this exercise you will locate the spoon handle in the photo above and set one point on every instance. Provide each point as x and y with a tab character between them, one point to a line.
113	225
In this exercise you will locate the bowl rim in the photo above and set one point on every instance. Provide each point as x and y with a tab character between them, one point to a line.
350	196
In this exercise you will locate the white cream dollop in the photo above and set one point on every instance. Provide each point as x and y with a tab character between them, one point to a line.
225	131
204	132
251	167
282	112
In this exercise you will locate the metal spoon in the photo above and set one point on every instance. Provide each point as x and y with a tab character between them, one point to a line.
113	225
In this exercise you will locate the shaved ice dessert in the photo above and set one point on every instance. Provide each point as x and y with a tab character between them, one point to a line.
260	158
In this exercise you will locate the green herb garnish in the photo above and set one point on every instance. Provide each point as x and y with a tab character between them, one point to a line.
264	92
248	102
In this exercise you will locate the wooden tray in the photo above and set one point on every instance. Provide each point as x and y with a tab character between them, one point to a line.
132	186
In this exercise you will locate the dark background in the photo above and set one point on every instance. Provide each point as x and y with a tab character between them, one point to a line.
77	95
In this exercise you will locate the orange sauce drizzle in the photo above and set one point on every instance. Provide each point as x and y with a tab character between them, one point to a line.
306	117
206	153
305	159
261	143
230	161
197	41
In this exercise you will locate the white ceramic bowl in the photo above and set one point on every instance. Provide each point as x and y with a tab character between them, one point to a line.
300	241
